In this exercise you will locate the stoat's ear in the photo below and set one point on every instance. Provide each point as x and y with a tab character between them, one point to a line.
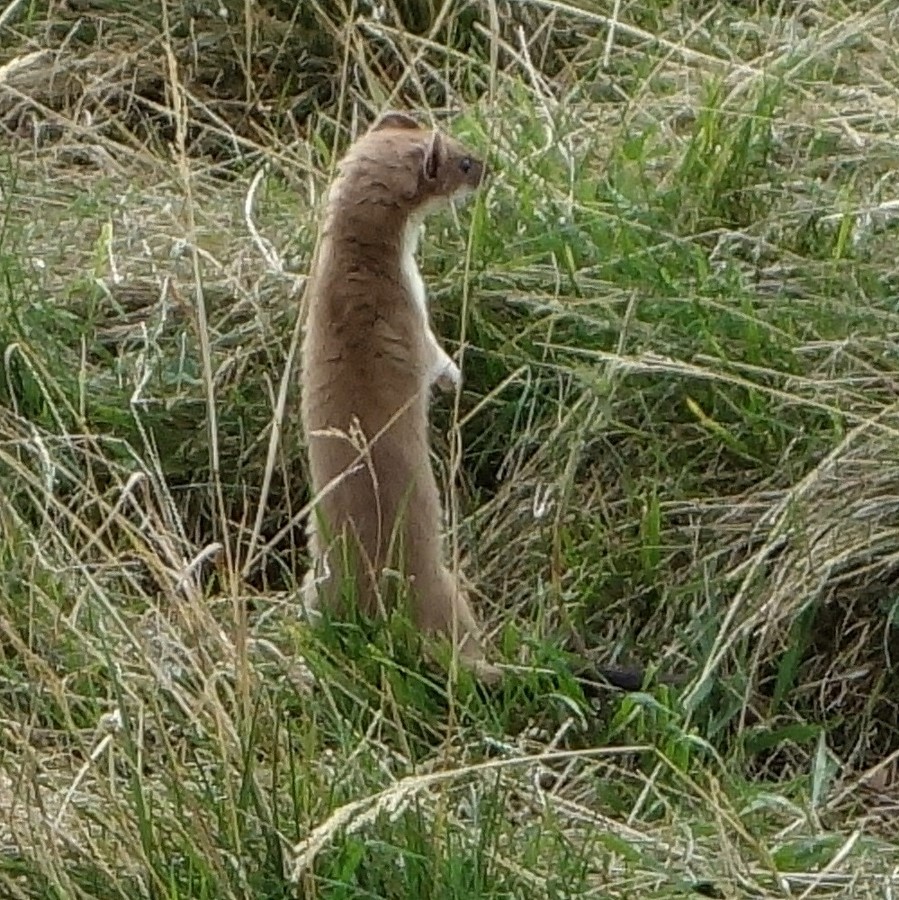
433	156
395	119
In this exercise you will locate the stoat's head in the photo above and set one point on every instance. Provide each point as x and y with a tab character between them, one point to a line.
399	164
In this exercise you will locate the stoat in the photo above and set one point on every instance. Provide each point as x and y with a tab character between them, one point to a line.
369	358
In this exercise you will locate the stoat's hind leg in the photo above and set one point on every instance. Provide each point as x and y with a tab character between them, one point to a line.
316	575
444	601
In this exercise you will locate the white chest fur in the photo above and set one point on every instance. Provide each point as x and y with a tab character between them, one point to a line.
441	369
411	271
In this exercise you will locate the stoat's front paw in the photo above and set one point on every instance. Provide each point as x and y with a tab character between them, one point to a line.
450	377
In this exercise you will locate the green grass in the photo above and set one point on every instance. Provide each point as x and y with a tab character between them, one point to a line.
677	299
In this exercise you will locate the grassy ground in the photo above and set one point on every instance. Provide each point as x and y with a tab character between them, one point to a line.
676	445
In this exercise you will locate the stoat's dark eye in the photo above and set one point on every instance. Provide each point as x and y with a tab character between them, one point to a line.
465	164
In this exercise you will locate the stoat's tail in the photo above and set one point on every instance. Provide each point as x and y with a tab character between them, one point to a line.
625	679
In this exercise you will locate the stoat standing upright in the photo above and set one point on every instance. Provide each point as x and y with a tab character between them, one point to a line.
369	358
